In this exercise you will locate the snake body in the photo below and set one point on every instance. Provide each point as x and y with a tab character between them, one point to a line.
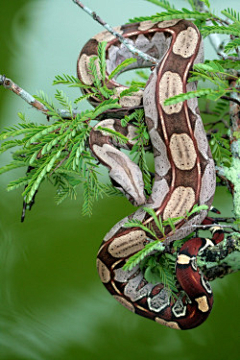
184	170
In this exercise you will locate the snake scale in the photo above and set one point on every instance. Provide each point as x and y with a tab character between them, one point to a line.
184	170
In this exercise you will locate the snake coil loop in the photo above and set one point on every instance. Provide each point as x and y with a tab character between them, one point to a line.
184	169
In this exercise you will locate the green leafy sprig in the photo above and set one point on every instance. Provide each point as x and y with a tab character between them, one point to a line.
220	149
172	14
157	244
209	71
156	265
59	151
141	142
161	269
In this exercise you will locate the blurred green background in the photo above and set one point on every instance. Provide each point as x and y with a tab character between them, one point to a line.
52	303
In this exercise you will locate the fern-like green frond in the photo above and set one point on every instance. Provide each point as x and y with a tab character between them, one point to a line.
221	109
131	90
105	92
206	2
48	103
87	199
66	183
157	219
68	80
141	141
136	223
101	58
105	106
110	190
121	67
220	149
20	182
117	136
233	29
9	144
189	95
181	14
232	45
17	130
94	71
231	14
172	13
64	101
160	268
138	257
227	64
91	191
15	164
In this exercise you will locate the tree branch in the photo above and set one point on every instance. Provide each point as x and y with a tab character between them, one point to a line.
16	89
64	114
223	259
10	85
229	98
233	172
123	40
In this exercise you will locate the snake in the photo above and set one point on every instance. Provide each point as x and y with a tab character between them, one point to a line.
184	169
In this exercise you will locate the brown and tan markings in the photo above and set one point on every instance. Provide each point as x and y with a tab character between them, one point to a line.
184	169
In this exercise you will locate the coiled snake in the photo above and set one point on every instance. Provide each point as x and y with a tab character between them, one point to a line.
184	170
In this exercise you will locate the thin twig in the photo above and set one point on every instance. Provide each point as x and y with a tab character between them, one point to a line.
123	40
10	85
229	98
204	227
64	114
218	271
220	254
225	219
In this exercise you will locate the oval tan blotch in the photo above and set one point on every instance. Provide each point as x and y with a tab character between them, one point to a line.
124	302
168	23
107	123
170	324
83	68
202	303
103	271
183	151
127	244
128	101
132	134
170	85
106	35
182	200
183	259
146	25
186	42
